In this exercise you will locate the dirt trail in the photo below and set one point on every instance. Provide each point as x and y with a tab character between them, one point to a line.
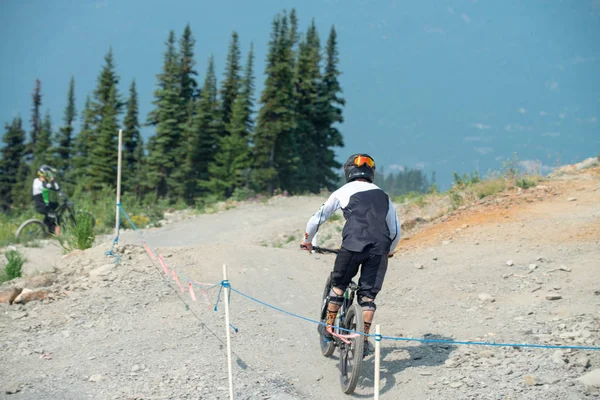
122	332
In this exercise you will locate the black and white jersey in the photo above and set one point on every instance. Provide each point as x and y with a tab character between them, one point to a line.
40	190
370	217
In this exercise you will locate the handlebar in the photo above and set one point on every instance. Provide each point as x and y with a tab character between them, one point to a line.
322	250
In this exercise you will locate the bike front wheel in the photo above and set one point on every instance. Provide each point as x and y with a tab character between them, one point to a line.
327	346
351	354
30	230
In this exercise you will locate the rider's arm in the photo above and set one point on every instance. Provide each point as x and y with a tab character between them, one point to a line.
326	210
393	226
52	186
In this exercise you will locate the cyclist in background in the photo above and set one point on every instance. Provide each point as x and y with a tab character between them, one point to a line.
369	237
41	185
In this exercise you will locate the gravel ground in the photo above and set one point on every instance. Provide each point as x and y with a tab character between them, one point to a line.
520	269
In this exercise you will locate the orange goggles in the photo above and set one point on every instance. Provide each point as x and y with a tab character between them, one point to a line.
359	161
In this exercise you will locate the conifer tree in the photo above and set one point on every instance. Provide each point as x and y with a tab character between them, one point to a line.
231	167
132	145
43	146
274	147
189	85
12	163
232	81
64	139
165	149
36	120
307	81
106	107
81	150
207	127
330	113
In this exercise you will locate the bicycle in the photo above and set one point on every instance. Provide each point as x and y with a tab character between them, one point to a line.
349	340
34	229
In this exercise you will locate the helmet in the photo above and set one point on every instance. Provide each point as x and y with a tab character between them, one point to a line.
359	166
46	172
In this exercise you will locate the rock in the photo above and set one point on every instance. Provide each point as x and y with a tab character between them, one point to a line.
510	263
456	385
582	361
531	380
419	266
591	379
569	335
486	298
551	296
559	357
135	368
532	267
9	296
96	378
572	199
13	388
549	379
446	242
486	354
17	315
102	271
28	295
319	377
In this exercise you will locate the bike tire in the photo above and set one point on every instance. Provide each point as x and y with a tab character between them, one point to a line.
37	226
351	355
327	347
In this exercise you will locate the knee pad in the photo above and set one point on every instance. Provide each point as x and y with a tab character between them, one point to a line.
367	304
334	298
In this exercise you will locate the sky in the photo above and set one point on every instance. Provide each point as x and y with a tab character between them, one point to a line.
433	84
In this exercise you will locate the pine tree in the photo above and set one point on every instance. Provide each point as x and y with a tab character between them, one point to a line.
274	147
189	85
330	114
81	150
231	167
207	127
232	81
12	163
310	143
165	147
36	119
64	139
42	153
132	144
106	107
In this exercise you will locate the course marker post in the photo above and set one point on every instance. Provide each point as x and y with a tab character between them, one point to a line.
119	158
227	331
377	359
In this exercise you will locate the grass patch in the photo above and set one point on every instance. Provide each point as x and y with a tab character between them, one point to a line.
13	267
78	236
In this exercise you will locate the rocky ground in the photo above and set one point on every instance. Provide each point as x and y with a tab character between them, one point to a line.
521	267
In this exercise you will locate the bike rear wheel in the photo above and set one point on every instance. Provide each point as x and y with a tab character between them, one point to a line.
30	230
327	346
351	354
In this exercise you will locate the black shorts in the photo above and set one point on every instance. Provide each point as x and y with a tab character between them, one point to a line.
42	209
373	269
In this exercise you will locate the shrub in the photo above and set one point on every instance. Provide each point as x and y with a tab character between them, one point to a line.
14	265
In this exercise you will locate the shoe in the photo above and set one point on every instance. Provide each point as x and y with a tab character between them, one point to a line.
327	336
367	349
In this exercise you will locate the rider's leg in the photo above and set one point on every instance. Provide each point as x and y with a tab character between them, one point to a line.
371	280
345	268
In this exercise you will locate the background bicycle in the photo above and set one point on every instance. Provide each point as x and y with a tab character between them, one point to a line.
64	216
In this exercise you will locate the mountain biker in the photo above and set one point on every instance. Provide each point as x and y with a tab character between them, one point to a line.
370	235
45	181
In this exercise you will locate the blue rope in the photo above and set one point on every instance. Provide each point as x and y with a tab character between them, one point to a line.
408	339
130	221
